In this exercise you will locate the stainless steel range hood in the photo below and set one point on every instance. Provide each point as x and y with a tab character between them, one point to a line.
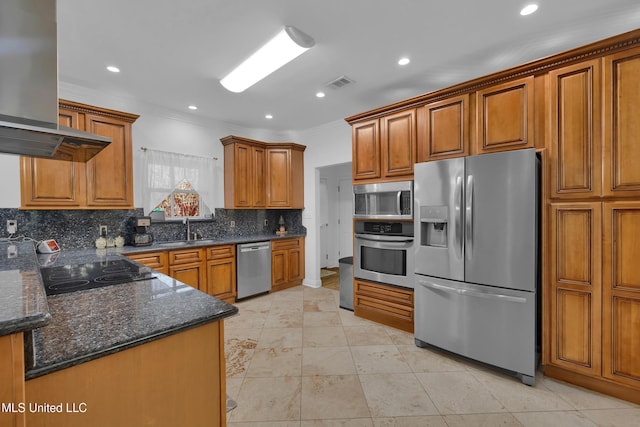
29	86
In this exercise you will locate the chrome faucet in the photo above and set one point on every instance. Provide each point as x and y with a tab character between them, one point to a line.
186	221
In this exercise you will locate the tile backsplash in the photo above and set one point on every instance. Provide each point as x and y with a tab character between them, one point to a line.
79	229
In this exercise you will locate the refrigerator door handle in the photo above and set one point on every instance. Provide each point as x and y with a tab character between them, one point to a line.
468	218
457	200
470	293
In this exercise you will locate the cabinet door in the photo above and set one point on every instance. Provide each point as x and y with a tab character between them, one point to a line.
398	143
621	125
574	127
295	270
242	176
575	262
443	129
221	278
278	177
110	172
193	274
53	183
505	116
258	169
621	293
366	150
279	268
12	379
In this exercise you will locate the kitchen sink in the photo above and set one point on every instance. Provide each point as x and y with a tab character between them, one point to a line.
187	243
174	244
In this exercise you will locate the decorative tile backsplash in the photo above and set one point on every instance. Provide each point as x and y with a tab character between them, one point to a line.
79	229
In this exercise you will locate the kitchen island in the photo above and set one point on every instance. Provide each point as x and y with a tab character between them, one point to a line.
140	353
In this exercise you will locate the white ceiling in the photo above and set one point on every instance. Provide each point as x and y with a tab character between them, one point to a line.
173	53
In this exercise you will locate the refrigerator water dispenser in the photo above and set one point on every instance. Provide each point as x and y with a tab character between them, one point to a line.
433	226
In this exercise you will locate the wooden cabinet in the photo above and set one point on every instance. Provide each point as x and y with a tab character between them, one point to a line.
575	286
384	304
621	293
155	260
505	117
104	182
221	272
574	130
12	391
260	175
285	176
176	380
188	266
443	129
621	154
287	263
385	149
398	143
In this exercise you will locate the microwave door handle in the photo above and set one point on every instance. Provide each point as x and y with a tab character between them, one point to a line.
399	203
468	232
457	201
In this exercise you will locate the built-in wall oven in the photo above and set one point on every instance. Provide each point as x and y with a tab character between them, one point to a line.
387	200
383	252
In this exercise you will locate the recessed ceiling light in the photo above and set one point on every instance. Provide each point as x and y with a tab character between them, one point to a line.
320	94
529	9
404	61
192	107
113	69
268	116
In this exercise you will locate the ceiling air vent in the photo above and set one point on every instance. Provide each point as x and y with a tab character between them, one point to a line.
340	82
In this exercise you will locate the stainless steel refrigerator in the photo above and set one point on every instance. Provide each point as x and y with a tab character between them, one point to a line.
477	258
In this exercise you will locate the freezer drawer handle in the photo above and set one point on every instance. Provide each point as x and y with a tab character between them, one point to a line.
473	294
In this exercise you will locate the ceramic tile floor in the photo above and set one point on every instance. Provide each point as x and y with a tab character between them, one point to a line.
294	358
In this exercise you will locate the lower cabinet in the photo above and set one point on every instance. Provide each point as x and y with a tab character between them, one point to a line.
384	304
12	379
221	272
287	263
210	269
594	316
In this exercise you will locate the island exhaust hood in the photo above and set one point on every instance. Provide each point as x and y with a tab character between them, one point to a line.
29	86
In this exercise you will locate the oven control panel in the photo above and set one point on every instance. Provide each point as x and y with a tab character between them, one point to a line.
384	227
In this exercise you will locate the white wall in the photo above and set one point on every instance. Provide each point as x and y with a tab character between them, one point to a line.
327	145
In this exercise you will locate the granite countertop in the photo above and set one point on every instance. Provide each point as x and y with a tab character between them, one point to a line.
163	246
23	303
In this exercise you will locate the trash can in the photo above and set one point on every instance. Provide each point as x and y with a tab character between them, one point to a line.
346	282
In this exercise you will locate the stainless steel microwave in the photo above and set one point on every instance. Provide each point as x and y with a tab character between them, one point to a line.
387	200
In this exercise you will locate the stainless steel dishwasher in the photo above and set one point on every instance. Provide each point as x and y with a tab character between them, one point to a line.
254	268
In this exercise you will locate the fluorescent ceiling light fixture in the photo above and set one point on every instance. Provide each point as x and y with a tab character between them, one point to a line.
192	107
320	94
268	116
404	61
113	69
529	9
283	48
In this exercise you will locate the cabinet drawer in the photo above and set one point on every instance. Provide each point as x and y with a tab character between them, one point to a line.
218	252
155	260
385	293
185	256
285	244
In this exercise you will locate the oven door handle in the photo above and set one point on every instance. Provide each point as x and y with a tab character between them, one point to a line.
390	239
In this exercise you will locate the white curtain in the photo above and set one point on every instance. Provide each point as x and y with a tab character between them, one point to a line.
161	171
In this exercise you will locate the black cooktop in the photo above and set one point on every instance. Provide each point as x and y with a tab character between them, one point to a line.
70	278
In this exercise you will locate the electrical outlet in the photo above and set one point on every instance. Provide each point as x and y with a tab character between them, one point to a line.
12	226
232	224
103	230
12	251
266	222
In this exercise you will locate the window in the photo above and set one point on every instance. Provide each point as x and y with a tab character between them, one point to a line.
178	185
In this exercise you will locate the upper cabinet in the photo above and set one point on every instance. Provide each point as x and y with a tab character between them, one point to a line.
260	175
505	116
443	129
574	130
104	182
385	149
621	173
